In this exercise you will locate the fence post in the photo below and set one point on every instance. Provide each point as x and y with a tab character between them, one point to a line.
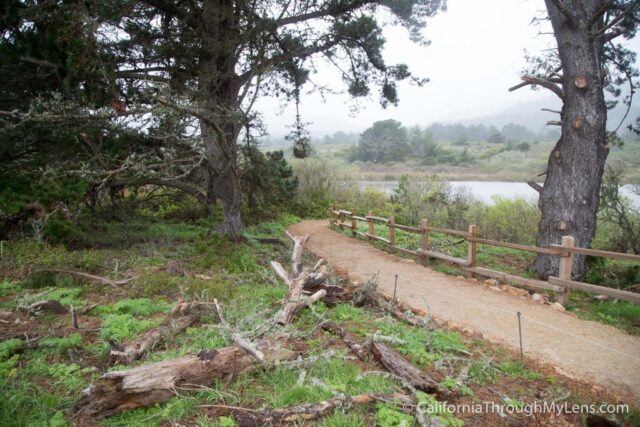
424	226
340	219
392	231
566	265
354	223
372	229
472	246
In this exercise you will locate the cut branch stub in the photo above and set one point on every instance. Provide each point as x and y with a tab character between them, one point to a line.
577	122
581	82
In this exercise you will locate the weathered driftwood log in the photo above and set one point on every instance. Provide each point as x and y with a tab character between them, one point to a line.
145	385
298	280
134	350
308	411
52	306
349	339
402	368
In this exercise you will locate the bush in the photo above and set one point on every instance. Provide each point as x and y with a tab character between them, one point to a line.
511	220
415	199
434	199
322	183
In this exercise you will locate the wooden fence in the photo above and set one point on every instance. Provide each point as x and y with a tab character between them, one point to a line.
565	251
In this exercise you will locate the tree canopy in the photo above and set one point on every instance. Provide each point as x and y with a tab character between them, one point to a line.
181	78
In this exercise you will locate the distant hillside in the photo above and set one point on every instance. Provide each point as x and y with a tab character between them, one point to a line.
530	115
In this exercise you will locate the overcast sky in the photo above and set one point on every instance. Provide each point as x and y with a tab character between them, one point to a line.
476	54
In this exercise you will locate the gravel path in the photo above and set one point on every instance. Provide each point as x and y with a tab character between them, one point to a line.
583	349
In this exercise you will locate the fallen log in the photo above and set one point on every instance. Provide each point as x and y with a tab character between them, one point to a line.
143	386
306	412
135	349
50	305
403	369
349	339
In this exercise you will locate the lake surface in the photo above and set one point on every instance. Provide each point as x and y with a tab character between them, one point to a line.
485	190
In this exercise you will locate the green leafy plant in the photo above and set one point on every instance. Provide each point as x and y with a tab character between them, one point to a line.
388	416
119	327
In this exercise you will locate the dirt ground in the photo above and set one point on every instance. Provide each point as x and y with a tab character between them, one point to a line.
585	350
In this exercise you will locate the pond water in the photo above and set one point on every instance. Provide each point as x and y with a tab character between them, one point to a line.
485	190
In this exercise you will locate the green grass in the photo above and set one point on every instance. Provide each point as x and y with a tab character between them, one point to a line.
122	327
8	347
135	307
422	346
63	343
42	383
621	314
518	370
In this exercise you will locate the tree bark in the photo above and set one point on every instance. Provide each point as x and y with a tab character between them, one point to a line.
570	196
219	88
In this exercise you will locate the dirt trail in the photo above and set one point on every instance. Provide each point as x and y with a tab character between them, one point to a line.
583	349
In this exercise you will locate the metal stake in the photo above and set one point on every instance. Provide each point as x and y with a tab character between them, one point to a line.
74	318
395	286
520	334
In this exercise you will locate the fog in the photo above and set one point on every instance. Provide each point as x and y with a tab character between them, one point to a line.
476	53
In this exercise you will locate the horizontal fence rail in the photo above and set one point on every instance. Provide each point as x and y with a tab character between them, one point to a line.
562	284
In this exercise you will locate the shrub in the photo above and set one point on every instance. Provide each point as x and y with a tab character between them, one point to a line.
321	183
420	198
511	220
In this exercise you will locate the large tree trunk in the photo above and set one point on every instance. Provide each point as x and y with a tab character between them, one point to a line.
224	180
219	93
570	196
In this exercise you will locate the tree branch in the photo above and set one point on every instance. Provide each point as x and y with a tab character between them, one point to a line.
535	186
536	81
171	8
566	12
285	56
172	183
